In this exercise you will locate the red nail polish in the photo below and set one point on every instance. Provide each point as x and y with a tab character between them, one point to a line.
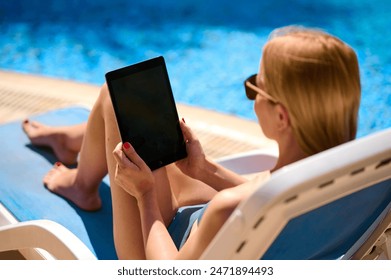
126	145
183	119
26	121
58	163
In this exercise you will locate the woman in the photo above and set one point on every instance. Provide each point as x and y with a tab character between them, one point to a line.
307	94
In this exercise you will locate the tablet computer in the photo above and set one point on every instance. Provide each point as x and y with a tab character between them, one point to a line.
146	112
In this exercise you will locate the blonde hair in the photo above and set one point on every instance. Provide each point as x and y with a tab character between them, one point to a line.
316	77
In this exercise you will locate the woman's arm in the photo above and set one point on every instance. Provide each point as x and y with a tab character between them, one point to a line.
219	177
135	177
158	243
199	167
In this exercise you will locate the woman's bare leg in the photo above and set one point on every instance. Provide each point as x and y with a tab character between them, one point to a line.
81	185
65	141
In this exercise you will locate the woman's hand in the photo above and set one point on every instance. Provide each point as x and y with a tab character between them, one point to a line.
132	173
193	164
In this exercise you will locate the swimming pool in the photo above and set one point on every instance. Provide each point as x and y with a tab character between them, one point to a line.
210	46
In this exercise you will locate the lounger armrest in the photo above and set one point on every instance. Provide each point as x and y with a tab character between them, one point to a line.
44	234
251	162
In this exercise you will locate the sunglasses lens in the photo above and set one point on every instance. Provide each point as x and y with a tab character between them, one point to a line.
250	93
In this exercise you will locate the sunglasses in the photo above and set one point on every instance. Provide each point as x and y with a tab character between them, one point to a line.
252	90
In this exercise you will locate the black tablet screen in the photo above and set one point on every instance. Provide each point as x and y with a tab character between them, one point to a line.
146	112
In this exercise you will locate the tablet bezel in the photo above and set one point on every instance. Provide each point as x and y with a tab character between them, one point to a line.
115	97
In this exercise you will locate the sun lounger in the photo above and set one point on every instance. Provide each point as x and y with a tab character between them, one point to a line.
327	206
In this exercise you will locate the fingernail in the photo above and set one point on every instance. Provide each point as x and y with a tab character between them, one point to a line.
183	119
126	145
26	121
58	163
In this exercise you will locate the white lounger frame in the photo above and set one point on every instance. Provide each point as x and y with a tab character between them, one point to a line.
40	239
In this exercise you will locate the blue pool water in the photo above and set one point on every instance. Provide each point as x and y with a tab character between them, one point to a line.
210	46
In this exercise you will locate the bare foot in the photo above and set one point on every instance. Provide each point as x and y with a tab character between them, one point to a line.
62	181
53	137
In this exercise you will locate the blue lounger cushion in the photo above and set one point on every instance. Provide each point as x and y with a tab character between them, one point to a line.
344	221
22	192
